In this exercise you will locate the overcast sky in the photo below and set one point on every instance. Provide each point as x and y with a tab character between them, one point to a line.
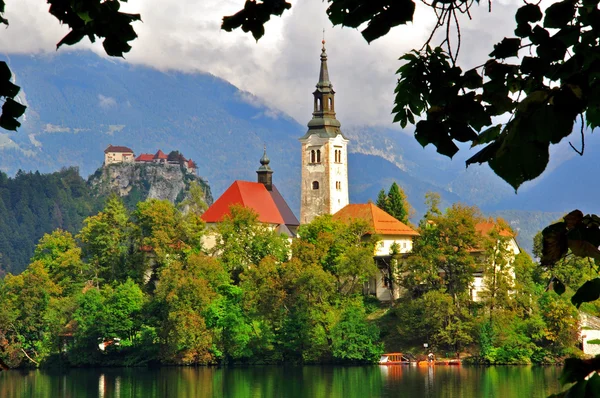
282	68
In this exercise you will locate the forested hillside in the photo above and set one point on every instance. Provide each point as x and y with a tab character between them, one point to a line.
32	204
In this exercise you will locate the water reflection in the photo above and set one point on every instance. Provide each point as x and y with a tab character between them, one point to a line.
285	381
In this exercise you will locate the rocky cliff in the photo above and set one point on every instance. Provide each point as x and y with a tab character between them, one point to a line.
140	181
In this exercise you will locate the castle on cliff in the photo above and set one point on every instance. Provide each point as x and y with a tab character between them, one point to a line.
122	154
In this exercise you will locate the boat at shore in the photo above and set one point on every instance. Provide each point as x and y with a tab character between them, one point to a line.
398	358
395	358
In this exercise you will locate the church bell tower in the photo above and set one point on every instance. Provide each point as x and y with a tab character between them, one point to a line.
324	155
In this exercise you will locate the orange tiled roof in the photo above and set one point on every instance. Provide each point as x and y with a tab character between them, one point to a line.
484	228
252	195
121	149
381	222
145	157
160	155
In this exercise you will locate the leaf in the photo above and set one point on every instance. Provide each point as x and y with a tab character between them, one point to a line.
589	291
487	135
593	386
519	160
9	123
534	99
4	71
573	371
554	243
506	48
462	132
528	13
573	219
558	15
472	80
11	108
115	47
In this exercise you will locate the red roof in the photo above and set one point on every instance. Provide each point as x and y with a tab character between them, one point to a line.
251	195
191	164
122	149
145	157
484	228
380	222
160	155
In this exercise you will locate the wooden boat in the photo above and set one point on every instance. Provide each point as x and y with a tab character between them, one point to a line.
394	358
444	362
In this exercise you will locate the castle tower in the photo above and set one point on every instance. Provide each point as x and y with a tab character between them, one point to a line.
324	155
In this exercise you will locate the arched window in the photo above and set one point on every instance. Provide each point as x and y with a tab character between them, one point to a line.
319	107
330	103
315	184
338	185
312	156
318	156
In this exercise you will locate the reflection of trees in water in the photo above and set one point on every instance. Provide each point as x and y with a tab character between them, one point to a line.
286	381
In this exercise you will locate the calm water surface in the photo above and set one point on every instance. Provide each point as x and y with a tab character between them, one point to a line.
284	381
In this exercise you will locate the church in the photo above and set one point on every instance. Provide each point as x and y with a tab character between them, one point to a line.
324	188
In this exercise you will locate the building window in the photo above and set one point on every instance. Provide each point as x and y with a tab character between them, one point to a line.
318	156
315	184
319	108
338	185
312	156
338	156
404	245
331	103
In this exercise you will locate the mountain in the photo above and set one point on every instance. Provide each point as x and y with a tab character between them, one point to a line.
79	103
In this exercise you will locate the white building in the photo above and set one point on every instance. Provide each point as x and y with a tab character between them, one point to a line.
324	188
389	231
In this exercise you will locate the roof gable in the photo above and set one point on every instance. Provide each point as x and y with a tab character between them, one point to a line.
379	221
251	195
160	155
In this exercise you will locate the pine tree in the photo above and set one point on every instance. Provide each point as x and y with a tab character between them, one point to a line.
397	205
382	200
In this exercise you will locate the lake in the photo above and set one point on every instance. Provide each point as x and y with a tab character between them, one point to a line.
285	381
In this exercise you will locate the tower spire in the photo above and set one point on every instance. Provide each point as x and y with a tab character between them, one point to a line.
324	72
264	172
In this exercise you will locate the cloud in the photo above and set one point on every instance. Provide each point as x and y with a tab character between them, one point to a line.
106	102
282	68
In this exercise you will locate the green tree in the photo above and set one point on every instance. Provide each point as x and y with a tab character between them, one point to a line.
498	273
382	200
61	257
27	301
183	295
106	239
243	241
343	249
354	339
395	203
442	253
398	205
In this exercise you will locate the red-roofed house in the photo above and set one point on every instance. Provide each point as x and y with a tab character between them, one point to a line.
145	158
389	231
262	197
118	154
160	157
190	166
